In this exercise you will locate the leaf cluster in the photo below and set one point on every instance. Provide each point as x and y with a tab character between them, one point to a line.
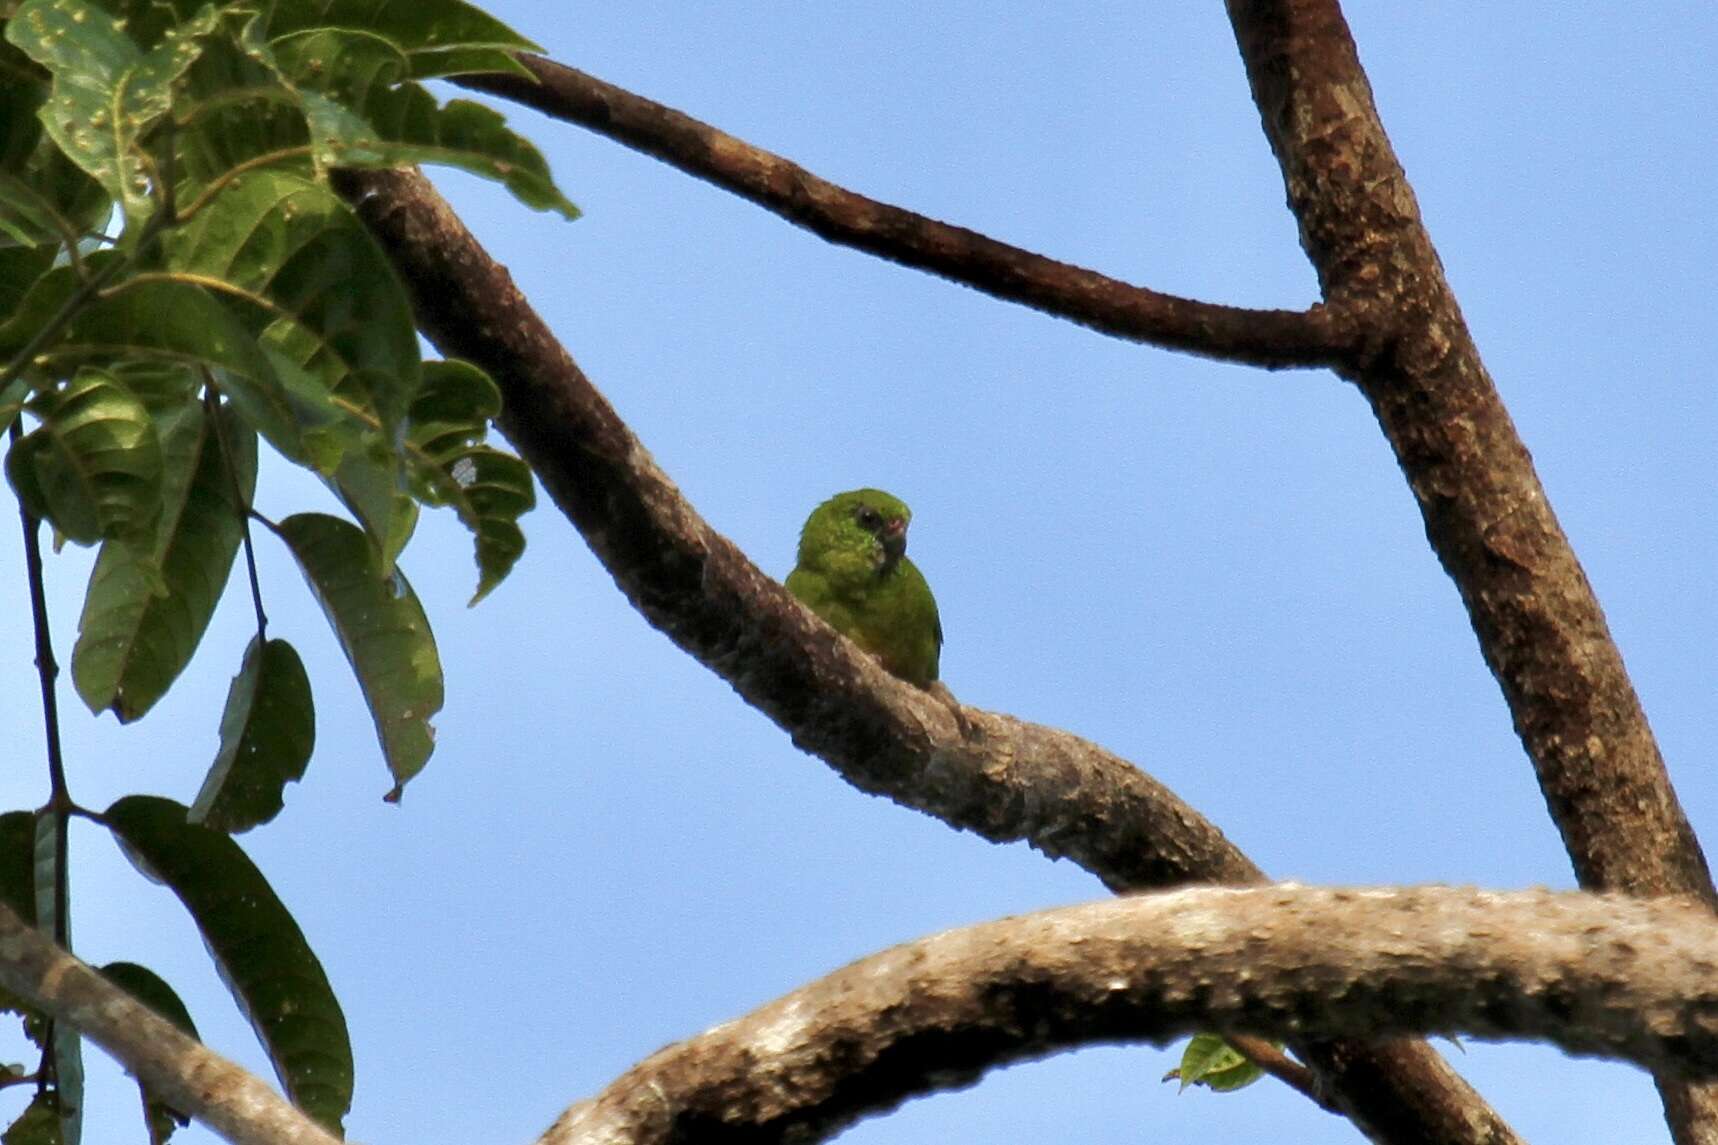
180	289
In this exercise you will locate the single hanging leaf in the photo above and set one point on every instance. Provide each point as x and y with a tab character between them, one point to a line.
489	489
149	602
107	92
257	946
267	731
149	988
94	464
1210	1061
383	631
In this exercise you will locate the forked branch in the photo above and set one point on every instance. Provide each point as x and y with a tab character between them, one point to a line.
1269	338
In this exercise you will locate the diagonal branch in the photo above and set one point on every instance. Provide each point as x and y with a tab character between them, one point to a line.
991	774
1539	623
178	1069
1598	975
1270	338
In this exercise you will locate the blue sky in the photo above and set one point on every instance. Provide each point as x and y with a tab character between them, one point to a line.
1217	572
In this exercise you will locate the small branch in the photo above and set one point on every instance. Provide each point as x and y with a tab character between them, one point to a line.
1271	338
184	1073
999	777
1263	1053
1611	976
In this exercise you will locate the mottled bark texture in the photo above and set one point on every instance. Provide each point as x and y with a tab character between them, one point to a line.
1616	977
1538	622
1269	338
178	1069
997	776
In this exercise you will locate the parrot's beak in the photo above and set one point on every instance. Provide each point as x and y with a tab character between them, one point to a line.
894	539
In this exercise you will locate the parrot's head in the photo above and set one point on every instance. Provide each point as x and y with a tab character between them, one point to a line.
862	532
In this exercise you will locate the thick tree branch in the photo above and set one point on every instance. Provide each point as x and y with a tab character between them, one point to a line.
178	1069
1538	621
999	777
1604	975
1269	338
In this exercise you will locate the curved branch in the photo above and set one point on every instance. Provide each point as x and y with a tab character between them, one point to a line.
1610	976
991	774
178	1069
1539	623
1271	338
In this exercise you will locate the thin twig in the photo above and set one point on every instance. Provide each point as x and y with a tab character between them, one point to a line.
1274	339
212	411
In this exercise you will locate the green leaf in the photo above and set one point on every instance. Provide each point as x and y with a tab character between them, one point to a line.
335	307
1211	1062
20	267
18	863
176	322
150	600
383	631
371	482
39	1124
260	950
487	488
93	467
107	92
149	988
267	732
438	31
18	891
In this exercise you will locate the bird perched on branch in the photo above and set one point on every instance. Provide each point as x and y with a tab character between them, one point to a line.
853	571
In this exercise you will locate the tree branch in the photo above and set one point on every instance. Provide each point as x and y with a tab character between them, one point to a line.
178	1069
1271	338
1611	976
1539	623
997	776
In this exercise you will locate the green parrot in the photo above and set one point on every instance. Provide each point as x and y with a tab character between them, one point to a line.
853	571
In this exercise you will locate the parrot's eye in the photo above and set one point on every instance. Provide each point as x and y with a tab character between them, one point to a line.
869	519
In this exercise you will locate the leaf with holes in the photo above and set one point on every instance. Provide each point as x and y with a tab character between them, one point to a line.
261	952
149	601
107	92
370	115
267	731
489	489
383	631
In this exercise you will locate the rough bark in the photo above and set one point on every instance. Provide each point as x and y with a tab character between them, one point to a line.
1000	777
178	1069
1606	975
1539	623
1270	338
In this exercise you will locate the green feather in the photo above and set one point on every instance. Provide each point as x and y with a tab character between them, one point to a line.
854	573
